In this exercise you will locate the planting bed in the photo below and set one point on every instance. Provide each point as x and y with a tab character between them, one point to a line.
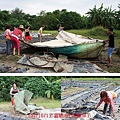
84	100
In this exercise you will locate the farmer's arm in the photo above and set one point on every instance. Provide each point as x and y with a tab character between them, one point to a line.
99	103
18	90
11	91
107	40
41	32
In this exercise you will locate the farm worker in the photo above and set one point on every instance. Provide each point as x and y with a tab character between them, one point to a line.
107	97
40	32
60	28
110	40
17	32
7	35
27	34
13	91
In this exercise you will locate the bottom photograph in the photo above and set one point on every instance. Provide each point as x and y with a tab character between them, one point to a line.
30	98
90	98
59	98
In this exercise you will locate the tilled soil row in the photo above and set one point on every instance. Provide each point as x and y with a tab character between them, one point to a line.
85	100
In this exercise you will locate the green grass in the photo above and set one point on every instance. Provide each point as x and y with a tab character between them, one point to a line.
10	57
98	78
44	102
5	106
47	103
53	32
1	31
112	80
93	78
98	33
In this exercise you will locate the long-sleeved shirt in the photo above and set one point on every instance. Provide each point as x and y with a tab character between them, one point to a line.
17	32
109	100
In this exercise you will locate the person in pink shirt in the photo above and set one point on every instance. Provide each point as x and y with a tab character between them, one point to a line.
108	98
7	35
16	35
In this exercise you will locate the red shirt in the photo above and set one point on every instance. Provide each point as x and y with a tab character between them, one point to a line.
17	32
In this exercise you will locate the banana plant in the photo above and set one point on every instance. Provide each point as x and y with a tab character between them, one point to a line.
51	88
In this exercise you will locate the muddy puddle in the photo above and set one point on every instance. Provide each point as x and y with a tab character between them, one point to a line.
84	100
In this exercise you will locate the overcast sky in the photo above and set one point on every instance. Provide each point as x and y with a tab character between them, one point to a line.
35	6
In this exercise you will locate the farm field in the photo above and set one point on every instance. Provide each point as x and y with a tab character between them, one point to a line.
97	33
83	96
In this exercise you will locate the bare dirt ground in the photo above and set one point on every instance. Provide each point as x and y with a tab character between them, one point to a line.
115	67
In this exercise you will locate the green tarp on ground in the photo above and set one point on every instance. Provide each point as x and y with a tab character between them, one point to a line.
21	101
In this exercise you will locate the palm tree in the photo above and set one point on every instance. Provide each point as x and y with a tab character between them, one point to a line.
101	17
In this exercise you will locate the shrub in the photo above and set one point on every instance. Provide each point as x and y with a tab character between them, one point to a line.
40	85
36	85
6	84
98	31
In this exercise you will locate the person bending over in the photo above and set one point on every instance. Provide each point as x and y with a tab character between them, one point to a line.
108	98
15	38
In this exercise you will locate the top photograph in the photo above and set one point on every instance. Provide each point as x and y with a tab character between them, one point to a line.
59	36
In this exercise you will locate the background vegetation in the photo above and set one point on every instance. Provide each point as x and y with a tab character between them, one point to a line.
115	80
105	17
47	87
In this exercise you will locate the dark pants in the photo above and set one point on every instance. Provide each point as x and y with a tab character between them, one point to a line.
8	46
105	109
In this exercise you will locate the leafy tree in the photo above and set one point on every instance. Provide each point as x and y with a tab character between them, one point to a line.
101	17
117	16
37	85
70	20
18	13
4	18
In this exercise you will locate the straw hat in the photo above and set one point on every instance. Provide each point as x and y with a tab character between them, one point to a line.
21	26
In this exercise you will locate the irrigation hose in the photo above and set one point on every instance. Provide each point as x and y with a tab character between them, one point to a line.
35	64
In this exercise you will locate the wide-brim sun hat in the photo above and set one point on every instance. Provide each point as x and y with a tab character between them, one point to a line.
21	26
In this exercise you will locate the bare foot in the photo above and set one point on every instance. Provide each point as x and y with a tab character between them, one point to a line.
13	111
